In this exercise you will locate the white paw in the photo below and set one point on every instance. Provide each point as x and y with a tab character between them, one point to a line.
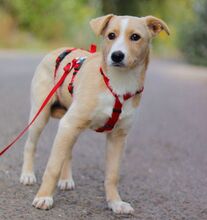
28	178
43	202
68	184
120	207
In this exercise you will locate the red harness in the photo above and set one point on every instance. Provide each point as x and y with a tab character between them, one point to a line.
76	65
117	109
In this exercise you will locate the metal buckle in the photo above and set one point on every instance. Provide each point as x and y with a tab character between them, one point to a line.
80	59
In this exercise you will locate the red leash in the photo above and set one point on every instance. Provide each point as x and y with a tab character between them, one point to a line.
67	70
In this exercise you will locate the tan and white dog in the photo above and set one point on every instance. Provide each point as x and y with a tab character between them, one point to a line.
124	58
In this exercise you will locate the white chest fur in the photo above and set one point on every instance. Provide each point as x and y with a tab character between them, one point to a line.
125	82
105	107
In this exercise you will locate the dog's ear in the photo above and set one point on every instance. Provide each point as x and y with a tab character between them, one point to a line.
156	25
99	24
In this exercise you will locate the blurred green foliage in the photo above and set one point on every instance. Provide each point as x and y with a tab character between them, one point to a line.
193	34
54	23
51	22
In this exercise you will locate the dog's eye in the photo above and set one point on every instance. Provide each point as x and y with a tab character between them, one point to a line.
135	37
111	36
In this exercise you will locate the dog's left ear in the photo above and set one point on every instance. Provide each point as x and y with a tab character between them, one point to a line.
99	24
156	25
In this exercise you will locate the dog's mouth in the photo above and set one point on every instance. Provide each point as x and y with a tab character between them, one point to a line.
118	64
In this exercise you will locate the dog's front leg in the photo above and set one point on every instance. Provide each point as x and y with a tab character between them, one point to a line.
69	129
115	146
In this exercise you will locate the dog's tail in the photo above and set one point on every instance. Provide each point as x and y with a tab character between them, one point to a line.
57	110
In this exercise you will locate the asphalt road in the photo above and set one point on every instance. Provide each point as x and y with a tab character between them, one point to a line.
164	170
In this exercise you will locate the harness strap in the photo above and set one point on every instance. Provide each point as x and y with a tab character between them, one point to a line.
110	123
68	51
92	48
77	66
60	58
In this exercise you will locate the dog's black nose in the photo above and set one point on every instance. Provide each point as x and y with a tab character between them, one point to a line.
117	56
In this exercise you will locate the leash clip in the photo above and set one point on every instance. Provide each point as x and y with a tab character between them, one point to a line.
80	59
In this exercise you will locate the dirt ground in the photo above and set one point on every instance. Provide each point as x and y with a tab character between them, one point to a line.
164	170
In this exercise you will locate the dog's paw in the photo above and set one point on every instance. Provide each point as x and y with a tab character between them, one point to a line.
120	207
68	184
28	178
44	203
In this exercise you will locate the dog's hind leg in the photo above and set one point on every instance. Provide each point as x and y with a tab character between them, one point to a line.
27	175
66	181
42	83
115	145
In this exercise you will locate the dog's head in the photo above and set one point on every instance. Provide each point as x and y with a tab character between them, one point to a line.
126	38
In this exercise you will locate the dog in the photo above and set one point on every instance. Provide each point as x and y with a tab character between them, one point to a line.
108	85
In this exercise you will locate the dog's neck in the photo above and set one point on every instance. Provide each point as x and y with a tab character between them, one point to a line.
124	81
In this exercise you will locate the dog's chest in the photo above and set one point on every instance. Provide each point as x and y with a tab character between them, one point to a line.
104	109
